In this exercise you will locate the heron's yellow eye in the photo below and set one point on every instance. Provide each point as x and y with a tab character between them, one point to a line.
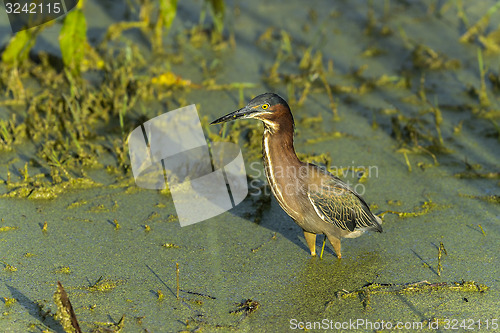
265	106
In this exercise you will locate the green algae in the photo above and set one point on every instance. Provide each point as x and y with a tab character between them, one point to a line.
78	203
100	208
488	198
9	301
8	267
423	209
63	270
3	229
36	189
170	246
319	159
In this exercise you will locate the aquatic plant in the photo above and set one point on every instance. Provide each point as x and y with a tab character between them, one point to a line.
73	40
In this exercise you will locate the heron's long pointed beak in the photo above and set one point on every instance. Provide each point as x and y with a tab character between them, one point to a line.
244	112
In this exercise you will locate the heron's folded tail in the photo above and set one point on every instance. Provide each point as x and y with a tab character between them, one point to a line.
378	224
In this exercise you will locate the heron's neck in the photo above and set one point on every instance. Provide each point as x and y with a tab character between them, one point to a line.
281	164
278	150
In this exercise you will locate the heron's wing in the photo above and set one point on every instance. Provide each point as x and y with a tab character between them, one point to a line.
339	205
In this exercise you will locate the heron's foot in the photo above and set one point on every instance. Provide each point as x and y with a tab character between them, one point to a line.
336	245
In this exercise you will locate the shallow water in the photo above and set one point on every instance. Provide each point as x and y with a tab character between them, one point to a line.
229	258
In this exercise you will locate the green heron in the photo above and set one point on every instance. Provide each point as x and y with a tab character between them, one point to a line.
316	200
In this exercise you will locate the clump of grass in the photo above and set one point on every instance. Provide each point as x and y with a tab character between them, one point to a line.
413	137
480	26
484	101
166	16
68	114
217	9
73	40
12	132
17	51
426	58
312	70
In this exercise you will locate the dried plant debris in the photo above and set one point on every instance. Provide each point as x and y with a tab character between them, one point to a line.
65	313
273	238
104	285
471	174
246	308
67	318
370	289
109	327
477	30
441	250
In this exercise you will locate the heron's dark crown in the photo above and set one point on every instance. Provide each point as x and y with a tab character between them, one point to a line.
271	98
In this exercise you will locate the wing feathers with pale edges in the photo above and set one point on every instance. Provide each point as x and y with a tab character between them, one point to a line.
341	206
